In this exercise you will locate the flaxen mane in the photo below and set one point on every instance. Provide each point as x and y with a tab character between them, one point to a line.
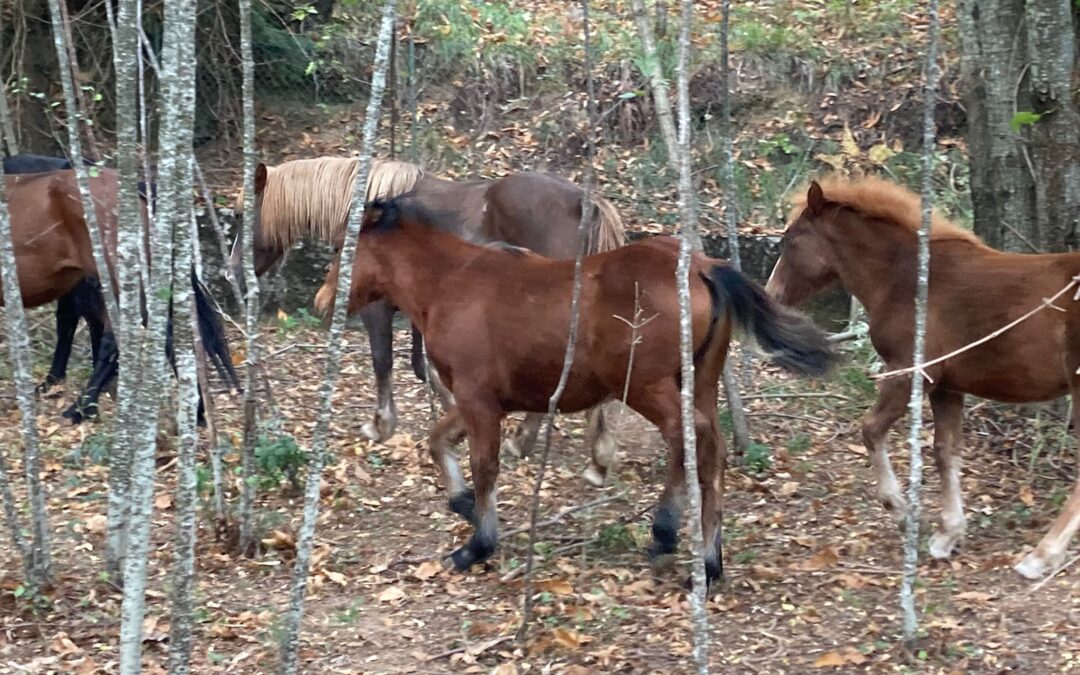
879	198
312	197
610	233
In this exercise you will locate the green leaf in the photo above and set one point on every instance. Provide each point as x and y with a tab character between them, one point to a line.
19	591
1024	118
634	94
94	171
311	66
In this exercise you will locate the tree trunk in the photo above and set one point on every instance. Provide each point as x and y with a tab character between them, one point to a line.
185	241
37	562
915	403
174	197
1019	58
128	321
251	303
82	175
291	638
689	235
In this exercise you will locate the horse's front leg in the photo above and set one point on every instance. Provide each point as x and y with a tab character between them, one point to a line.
1050	552
378	318
891	404
948	410
67	320
482	425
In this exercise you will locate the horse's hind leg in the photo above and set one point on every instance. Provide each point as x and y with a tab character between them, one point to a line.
948	410
378	319
67	320
448	431
482	424
1050	552
891	404
602	447
523	440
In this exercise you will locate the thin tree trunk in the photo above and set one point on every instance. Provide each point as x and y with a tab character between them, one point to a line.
11	144
915	404
575	301
127	322
82	175
174	215
740	428
73	69
185	243
689	234
251	305
37	562
291	639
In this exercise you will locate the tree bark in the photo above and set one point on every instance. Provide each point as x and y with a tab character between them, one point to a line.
37	561
185	242
128	321
915	403
174	197
689	235
1019	56
291	638
251	304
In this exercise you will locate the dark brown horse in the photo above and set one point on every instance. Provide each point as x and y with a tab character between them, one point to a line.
537	211
54	262
862	234
496	323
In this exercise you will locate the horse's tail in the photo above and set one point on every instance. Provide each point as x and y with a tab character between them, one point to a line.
787	337
212	332
608	230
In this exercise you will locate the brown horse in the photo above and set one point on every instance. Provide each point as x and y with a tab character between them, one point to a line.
863	235
537	211
496	322
54	258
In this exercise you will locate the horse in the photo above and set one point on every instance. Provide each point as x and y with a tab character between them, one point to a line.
82	302
496	321
55	262
862	234
537	211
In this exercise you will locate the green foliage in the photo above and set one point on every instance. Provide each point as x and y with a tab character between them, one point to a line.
615	536
301	318
758	457
278	458
1024	118
798	444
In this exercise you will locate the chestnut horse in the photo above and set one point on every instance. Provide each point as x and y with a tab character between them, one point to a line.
537	211
862	234
54	261
496	321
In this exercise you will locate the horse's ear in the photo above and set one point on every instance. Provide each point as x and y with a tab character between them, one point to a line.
260	178
815	199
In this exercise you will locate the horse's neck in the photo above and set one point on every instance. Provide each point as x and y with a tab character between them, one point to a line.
417	263
866	261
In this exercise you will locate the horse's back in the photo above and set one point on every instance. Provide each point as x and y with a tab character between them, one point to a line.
538	211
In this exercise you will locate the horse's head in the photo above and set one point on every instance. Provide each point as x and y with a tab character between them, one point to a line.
266	252
804	267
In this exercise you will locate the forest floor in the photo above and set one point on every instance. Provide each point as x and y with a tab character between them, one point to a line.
812	561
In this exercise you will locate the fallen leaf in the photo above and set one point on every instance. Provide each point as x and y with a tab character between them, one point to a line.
163	501
829	660
766	572
824	558
848	144
426	570
880	153
337	577
96	524
556	586
391	594
566	637
1027	496
789	488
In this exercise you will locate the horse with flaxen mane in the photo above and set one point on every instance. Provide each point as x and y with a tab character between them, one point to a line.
862	234
496	323
537	211
54	262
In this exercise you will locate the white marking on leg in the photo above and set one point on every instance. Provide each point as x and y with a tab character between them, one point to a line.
455	482
953	520
887	488
1050	552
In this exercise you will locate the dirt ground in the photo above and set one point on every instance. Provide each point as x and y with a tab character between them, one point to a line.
812	562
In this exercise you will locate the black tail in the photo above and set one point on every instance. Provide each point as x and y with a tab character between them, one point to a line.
788	338
212	332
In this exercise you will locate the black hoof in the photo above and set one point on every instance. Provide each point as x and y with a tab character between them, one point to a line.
659	549
463	558
464	504
74	414
714	576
